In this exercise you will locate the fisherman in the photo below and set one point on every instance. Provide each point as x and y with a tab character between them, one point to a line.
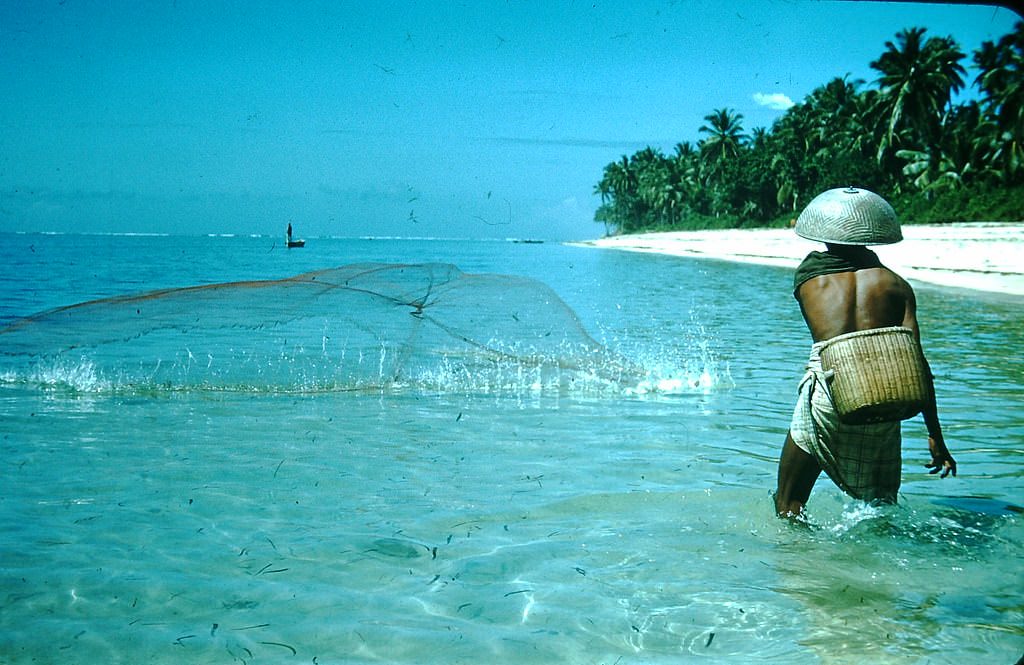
289	232
843	290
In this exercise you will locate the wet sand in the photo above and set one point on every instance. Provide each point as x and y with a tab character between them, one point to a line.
978	256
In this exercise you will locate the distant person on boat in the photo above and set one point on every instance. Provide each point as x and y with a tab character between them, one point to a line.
289	232
845	290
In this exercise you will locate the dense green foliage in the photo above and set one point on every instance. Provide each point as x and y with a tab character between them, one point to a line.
903	138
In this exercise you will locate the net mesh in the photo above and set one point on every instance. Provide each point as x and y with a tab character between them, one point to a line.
364	326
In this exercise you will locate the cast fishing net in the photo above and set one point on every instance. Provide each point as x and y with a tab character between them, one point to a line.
358	327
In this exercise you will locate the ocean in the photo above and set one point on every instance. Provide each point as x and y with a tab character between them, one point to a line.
441	451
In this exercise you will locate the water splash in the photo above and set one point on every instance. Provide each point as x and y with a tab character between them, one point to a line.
378	327
61	373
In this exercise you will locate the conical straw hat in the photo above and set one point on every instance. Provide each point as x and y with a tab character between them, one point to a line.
849	217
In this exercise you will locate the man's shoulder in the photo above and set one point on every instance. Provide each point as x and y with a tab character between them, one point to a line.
817	264
900	282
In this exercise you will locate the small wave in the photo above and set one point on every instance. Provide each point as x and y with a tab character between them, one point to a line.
854	514
910	523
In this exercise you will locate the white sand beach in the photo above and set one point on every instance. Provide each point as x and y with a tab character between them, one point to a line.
979	256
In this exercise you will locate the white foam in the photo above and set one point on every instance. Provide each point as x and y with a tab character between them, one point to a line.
79	375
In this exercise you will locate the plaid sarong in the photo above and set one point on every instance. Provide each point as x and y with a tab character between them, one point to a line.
863	460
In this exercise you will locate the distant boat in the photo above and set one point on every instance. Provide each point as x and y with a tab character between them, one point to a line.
293	243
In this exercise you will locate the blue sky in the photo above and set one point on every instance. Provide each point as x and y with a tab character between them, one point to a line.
427	119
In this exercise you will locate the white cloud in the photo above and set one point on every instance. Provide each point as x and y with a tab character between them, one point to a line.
775	100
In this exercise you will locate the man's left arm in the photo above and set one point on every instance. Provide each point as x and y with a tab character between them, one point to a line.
942	461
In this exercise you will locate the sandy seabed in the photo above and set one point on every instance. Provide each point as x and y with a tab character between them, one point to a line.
980	256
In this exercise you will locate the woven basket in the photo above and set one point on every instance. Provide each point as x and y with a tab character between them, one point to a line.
878	375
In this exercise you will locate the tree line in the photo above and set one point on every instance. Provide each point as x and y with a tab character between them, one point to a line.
903	138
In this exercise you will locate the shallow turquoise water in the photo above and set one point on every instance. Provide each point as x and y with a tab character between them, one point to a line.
542	518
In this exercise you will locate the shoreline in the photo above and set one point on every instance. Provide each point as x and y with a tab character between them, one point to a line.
981	256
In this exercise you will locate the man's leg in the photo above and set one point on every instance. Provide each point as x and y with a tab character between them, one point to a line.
797	472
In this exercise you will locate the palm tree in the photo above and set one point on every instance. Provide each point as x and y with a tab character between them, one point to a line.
685	183
719	153
758	137
604	187
962	157
652	184
841	138
791	142
725	137
617	189
684	150
1001	80
835	110
759	176
623	178
917	80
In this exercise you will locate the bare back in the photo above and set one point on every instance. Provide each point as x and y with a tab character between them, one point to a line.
844	302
